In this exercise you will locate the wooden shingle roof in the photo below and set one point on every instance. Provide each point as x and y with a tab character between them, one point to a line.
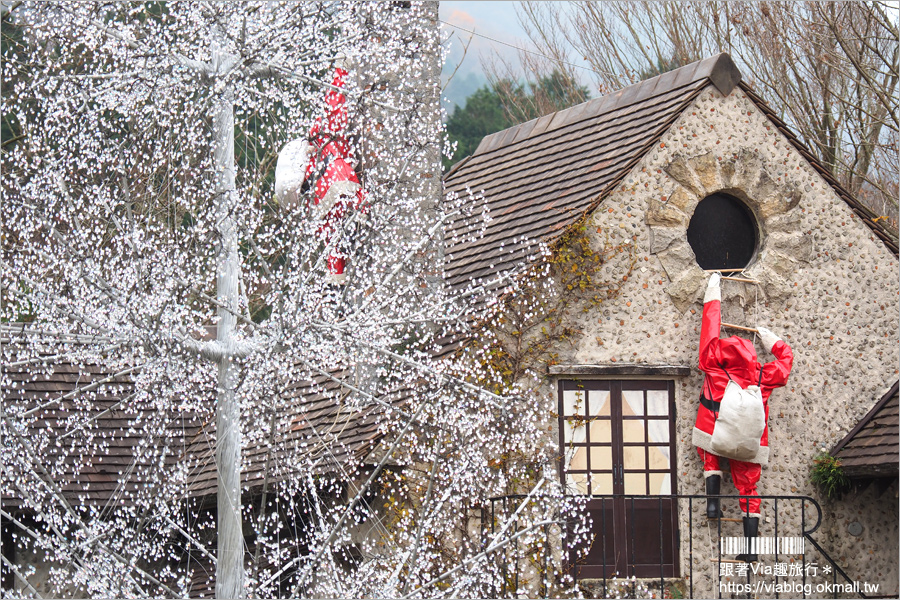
82	426
314	428
540	177
872	448
70	408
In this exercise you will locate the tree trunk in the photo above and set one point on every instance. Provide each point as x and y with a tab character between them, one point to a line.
229	566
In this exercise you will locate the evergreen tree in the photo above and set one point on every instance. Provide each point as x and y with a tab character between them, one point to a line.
482	115
506	104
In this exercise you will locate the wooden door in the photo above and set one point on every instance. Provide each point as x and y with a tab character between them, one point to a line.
617	447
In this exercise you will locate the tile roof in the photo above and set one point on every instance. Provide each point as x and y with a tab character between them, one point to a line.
314	426
75	408
540	177
872	448
82	404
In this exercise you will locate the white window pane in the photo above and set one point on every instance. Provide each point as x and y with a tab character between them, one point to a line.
599	402
577	483
573	402
659	457
658	402
633	431
634	400
573	431
636	483
601	484
659	431
634	458
601	458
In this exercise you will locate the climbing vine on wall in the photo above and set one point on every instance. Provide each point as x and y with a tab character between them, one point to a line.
524	335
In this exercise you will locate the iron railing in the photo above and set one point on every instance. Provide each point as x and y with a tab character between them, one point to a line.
555	545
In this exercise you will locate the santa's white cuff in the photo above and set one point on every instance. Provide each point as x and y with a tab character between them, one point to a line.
767	338
712	293
338	189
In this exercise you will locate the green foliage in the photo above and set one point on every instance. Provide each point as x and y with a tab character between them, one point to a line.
506	104
24	311
482	115
828	475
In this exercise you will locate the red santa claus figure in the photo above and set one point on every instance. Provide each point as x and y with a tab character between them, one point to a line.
323	164
734	359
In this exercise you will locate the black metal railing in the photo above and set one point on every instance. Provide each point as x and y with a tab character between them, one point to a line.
540	563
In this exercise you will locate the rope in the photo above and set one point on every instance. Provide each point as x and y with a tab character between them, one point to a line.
756	311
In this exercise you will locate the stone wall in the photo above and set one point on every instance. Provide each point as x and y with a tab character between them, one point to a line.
829	288
862	528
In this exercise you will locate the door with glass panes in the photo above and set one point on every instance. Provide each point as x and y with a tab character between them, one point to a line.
617	446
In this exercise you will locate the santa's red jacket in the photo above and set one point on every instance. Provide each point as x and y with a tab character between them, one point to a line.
737	356
330	163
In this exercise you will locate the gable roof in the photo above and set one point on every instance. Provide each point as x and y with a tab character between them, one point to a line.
872	448
313	425
541	177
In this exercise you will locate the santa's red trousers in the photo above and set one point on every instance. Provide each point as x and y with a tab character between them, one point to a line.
744	474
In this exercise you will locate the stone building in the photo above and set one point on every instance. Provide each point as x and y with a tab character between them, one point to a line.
664	180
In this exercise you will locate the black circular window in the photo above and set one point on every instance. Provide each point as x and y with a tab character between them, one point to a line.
722	233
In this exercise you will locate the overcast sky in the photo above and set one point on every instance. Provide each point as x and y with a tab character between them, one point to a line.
495	20
497	32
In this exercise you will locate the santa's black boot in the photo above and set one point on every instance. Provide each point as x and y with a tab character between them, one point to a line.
713	486
751	529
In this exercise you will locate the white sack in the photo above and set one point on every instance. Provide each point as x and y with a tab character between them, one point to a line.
290	172
739	424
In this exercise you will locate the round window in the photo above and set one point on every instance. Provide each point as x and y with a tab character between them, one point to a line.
722	233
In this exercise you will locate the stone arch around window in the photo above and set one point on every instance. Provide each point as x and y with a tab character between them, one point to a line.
781	246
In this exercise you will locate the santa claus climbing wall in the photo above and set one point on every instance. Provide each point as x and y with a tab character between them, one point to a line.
733	361
319	170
